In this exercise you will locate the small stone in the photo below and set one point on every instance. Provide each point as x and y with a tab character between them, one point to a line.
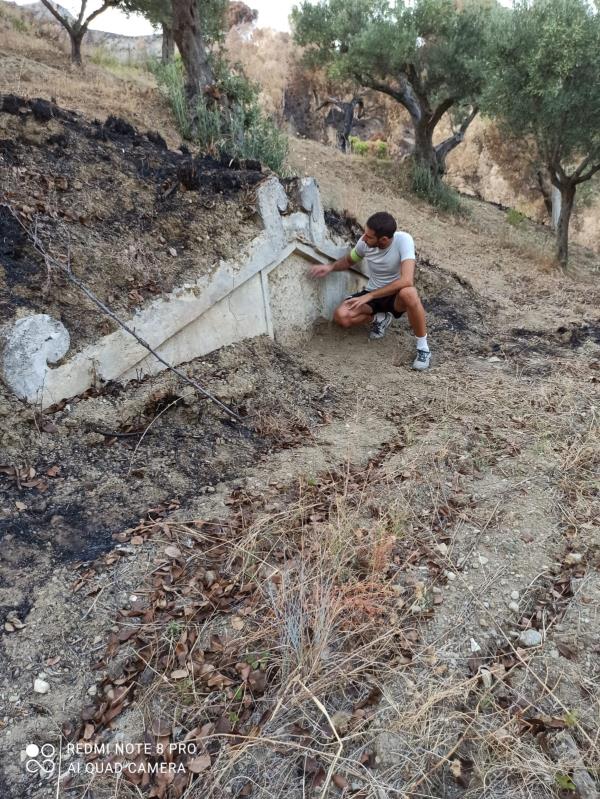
442	548
173	252
530	637
475	646
450	576
483	622
513	606
210	489
573	558
13	698
92	690
483	560
514	594
486	678
40	686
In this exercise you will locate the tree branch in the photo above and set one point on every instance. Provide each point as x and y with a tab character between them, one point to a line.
439	112
589	174
81	13
66	270
98	11
445	147
405	96
63	20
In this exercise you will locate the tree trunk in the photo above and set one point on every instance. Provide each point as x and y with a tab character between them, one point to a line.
424	154
567	197
190	42
168	44
76	38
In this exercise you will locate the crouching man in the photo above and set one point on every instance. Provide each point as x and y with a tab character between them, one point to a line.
390	292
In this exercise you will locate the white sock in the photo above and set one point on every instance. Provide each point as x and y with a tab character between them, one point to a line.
422	343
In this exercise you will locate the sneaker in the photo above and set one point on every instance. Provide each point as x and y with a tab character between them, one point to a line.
380	323
422	360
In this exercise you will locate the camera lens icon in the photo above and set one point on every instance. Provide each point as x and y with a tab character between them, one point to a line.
41	759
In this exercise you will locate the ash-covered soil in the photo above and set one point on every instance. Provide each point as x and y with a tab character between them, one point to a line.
73	477
133	218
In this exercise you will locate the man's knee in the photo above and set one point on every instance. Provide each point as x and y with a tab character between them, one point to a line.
342	318
409	296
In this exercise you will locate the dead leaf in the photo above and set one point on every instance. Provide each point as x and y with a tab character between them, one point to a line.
237	623
340	781
88	731
172	552
199	764
20	506
137	540
456	768
566	651
179	674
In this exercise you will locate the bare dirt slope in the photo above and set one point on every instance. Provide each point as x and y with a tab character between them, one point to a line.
385	584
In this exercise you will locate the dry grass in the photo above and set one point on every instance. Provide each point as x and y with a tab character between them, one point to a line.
34	62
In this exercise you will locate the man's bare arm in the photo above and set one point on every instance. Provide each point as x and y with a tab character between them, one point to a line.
320	270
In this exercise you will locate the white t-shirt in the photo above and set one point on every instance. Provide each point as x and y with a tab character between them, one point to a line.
384	265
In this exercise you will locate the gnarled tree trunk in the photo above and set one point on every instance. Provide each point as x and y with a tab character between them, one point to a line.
192	47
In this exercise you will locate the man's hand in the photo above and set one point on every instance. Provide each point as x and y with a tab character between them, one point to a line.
357	302
321	270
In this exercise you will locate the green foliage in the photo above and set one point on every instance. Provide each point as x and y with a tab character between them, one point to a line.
515	218
211	15
238	128
170	78
381	149
544	64
564	782
433	191
436	47
20	25
359	147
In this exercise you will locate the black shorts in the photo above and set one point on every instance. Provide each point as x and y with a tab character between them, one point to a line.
380	304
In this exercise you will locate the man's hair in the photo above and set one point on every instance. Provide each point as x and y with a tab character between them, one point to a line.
382	224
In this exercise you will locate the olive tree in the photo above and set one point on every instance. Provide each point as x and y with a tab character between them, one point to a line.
544	88
428	56
77	26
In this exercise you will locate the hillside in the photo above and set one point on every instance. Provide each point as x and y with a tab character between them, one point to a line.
376	583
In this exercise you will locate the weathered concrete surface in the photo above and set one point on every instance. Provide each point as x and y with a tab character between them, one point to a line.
30	345
270	292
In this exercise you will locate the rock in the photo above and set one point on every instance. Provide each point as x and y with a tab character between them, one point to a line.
573	558
513	606
173	252
40	686
475	646
486	678
514	595
450	576
530	638
30	344
483	560
442	549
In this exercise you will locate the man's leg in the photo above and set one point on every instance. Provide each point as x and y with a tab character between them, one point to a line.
408	300
345	317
